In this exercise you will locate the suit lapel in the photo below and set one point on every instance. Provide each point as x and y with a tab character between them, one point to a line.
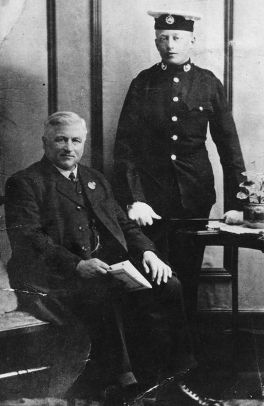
68	190
89	186
61	183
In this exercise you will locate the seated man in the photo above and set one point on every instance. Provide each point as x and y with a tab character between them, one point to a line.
65	230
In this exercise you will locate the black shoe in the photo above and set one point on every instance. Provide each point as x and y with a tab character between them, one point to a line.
197	399
177	393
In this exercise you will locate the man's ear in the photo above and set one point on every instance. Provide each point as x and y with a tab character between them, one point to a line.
44	141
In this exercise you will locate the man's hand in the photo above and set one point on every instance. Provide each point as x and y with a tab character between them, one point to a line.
91	267
159	270
233	217
142	213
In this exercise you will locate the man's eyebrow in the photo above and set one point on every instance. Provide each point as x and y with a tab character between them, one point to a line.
176	34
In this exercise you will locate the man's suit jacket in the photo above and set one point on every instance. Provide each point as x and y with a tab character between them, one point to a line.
48	228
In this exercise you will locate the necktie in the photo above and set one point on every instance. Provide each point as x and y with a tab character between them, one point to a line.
72	177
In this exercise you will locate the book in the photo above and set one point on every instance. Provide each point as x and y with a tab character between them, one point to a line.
127	273
240	229
234	229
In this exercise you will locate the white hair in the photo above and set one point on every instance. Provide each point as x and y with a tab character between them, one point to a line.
62	119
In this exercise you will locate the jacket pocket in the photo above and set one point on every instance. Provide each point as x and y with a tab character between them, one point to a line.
201	106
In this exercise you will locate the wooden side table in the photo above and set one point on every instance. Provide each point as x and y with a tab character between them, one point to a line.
234	242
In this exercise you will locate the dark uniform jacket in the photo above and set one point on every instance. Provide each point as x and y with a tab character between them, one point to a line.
160	146
48	226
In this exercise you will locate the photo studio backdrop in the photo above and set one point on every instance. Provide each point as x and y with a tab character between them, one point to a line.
82	56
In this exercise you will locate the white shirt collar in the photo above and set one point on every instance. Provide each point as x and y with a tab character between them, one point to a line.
67	173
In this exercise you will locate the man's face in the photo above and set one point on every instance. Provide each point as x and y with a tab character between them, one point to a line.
64	145
174	46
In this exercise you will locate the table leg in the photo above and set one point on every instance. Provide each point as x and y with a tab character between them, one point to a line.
234	272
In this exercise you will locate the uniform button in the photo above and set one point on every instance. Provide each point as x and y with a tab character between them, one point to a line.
174	118
78	208
173	157
201	108
175	99
174	137
80	228
176	80
84	248
79	192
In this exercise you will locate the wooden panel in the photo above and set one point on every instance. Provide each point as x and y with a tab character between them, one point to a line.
96	85
52	57
74	61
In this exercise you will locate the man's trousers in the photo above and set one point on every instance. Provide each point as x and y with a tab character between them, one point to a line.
150	322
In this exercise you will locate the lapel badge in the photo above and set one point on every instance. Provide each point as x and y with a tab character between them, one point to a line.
169	19
91	185
163	66
187	67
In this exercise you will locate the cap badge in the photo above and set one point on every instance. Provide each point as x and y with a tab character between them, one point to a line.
163	66
91	185
169	19
187	67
